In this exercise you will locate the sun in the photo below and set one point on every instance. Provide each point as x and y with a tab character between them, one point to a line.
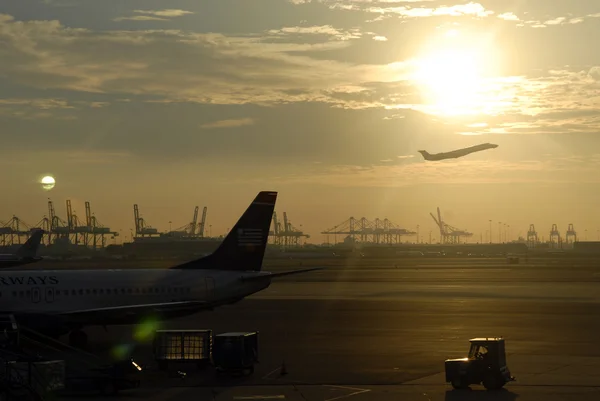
48	182
449	79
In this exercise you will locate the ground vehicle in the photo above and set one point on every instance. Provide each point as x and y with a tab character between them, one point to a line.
235	352
486	364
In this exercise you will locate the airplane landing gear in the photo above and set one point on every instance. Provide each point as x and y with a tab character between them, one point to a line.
78	339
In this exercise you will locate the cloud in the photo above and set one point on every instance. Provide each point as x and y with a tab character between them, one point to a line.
566	169
544	23
471	9
40	108
174	66
333	2
73	157
154	15
140	18
228	123
325	30
508	16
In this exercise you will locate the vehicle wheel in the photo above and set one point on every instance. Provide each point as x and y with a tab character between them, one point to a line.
493	382
459	384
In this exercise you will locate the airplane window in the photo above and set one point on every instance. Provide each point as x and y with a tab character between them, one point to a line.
88	291
28	293
94	291
129	290
80	292
137	290
14	293
73	292
101	291
21	294
122	290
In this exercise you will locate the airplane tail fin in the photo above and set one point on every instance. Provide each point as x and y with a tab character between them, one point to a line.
244	247
30	247
425	154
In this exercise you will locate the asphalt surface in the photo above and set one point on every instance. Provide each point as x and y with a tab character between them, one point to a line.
383	332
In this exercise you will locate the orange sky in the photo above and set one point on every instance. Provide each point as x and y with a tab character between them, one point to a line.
207	103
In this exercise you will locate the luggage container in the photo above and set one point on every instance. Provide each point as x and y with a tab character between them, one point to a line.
235	352
182	346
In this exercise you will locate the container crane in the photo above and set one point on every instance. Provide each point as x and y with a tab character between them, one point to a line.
141	228
532	236
449	234
95	232
202	225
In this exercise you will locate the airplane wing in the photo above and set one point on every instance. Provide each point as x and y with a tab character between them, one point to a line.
119	312
263	275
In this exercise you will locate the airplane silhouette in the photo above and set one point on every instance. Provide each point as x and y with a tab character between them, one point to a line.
456	153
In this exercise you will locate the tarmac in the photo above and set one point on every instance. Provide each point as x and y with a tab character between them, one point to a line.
382	332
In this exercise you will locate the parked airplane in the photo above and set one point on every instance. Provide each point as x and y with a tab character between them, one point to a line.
456	153
65	301
25	254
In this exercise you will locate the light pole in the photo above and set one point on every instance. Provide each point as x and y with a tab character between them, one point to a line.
417	233
499	232
490	231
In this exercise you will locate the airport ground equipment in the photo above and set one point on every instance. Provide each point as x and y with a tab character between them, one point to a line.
35	366
9	332
183	346
39	377
486	364
24	375
235	353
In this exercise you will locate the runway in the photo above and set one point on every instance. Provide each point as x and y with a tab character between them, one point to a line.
384	333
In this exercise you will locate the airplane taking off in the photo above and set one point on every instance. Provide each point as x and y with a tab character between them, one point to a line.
456	153
25	254
65	301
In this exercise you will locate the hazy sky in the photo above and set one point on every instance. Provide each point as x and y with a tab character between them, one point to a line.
173	104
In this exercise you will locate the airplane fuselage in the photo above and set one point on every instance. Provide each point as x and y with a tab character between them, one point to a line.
12	261
59	292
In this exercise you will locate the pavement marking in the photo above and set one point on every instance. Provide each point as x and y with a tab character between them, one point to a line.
168	393
270	373
356	392
261	397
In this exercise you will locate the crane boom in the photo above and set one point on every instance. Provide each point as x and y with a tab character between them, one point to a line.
203	222
194	222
